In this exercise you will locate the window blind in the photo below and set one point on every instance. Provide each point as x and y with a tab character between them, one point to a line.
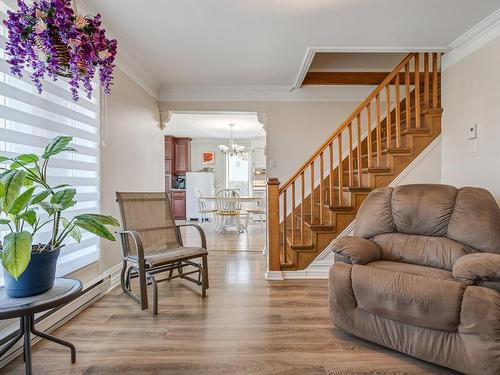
29	120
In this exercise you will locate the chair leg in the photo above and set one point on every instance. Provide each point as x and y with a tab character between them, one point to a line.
122	275
205	271
260	221
143	288
155	293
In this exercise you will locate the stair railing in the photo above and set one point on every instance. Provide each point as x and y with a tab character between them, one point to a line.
299	201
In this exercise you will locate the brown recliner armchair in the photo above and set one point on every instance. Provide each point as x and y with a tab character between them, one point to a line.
422	275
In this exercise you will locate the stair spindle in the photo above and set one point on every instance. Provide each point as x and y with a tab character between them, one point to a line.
379	132
398	112
426	80
340	168
321	177
417	91
351	167
388	121
407	95
369	133
302	205
435	80
311	195
330	154
358	147
285	229
293	212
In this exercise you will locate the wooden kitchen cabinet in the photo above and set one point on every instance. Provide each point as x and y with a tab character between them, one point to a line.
182	153
178	202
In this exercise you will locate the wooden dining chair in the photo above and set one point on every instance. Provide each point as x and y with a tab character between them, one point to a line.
152	244
228	205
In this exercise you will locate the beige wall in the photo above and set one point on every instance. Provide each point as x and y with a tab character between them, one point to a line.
132	157
471	94
293	129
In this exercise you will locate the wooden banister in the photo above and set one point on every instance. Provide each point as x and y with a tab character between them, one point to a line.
294	217
350	119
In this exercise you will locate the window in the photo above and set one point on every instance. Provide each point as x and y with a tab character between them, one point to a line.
29	120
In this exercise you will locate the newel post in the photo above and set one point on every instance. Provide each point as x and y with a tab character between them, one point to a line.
273	224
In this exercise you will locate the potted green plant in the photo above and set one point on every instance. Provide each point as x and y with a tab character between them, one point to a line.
29	203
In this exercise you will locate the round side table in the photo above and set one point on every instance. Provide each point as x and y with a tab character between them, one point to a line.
63	291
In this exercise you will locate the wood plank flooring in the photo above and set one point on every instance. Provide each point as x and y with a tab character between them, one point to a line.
246	325
254	239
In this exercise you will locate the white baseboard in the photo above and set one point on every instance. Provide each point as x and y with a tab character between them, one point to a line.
93	290
274	275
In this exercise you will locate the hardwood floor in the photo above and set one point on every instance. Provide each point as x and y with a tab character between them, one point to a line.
254	239
246	325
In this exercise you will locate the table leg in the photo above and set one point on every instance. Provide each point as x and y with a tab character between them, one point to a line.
57	340
14	340
27	343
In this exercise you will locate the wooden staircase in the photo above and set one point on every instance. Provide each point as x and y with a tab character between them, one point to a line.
383	135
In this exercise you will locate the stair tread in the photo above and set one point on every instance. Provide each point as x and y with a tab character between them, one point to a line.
315	226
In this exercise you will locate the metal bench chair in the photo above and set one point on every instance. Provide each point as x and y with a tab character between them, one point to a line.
152	244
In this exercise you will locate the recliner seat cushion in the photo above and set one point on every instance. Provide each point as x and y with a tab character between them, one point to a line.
412	269
407	298
438	252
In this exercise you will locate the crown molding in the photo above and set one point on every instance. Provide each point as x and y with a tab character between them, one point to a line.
128	62
482	33
312	51
263	93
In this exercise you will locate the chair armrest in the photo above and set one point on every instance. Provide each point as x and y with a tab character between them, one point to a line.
472	268
357	250
136	237
200	231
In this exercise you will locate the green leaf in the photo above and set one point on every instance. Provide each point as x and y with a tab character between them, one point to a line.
60	186
74	232
64	198
103	219
13	181
16	253
3	158
4	221
56	146
27	158
29	216
50	208
21	201
37	198
94	226
2	190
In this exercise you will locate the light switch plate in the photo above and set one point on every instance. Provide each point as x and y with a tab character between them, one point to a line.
473	146
472	132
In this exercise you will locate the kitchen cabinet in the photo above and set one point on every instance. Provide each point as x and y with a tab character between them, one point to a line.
182	153
178	202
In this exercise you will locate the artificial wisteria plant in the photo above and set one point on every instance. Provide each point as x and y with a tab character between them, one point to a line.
48	37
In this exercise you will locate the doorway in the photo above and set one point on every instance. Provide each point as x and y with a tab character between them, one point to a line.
225	151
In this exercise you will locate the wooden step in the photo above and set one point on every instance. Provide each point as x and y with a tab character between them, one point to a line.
315	226
374	170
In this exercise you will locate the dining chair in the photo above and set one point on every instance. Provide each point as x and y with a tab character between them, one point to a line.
228	205
203	209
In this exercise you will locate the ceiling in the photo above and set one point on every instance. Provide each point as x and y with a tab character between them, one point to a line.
263	42
213	125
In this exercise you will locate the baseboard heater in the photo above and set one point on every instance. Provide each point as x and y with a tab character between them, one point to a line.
52	319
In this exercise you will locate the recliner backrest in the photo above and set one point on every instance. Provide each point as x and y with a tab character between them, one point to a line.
468	215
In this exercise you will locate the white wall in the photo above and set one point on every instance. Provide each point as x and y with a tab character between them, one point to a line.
293	129
132	158
471	94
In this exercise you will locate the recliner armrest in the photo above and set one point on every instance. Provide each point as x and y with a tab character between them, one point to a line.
472	268
357	250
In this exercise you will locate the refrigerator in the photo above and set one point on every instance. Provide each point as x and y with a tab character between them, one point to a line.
202	181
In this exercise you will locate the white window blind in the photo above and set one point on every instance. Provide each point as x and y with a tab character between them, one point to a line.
29	120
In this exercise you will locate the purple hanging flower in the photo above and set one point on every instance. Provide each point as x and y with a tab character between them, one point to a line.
49	38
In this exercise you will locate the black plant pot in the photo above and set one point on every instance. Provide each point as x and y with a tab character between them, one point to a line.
38	277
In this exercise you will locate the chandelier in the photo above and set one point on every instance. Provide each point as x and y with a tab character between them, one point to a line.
233	149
